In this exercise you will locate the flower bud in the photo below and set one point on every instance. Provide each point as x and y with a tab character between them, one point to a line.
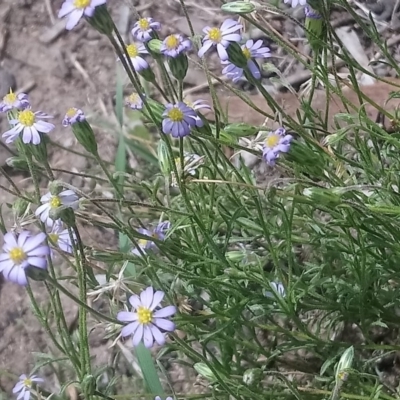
322	196
154	46
238	7
315	31
236	55
36	274
252	376
85	136
101	20
39	151
204	371
345	363
178	66
148	74
306	157
55	188
241	129
157	109
17	163
162	155
88	386
66	215
334	138
236	256
19	207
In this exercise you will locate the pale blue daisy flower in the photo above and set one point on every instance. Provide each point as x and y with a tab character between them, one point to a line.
179	119
173	45
134	101
143	29
66	198
157	233
221	38
13	100
76	9
59	236
135	50
72	116
251	51
24	386
21	251
146	321
29	125
275	143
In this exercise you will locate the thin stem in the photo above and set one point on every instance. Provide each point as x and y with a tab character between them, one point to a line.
83	334
11	182
82	304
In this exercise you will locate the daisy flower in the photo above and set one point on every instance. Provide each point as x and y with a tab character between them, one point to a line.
158	233
24	386
173	45
143	29
276	142
146	321
295	3
134	51
12	100
60	237
159	398
134	101
21	251
178	119
72	116
66	198
221	38
250	50
198	105
76	9
29	124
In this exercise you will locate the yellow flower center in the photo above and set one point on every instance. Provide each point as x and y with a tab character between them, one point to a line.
144	25
172	42
17	255
55	202
10	98
142	242
54	237
247	53
272	140
134	98
27	382
175	115
71	113
81	3
132	50
145	316
215	35
26	117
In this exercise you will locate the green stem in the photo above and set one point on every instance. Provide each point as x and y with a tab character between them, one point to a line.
82	304
81	272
